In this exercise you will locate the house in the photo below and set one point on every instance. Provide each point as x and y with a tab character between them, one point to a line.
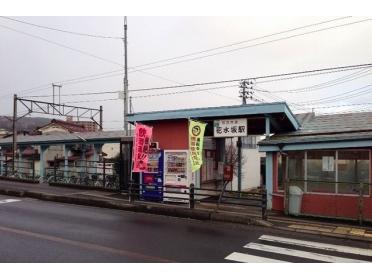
28	156
59	126
329	159
77	150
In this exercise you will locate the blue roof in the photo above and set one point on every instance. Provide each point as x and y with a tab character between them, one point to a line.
67	138
218	112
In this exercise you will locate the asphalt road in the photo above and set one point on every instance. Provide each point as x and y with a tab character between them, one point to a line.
39	231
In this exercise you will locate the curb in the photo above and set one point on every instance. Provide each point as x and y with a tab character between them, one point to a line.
335	235
73	186
23	180
197	214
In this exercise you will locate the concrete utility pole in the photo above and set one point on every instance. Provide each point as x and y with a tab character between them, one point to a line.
245	93
14	131
125	78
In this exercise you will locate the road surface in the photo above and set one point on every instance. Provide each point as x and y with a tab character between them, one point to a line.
39	231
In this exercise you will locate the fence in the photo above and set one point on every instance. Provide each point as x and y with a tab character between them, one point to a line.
19	170
189	195
102	175
353	189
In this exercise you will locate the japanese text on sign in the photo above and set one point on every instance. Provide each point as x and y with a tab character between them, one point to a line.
196	136
141	147
230	127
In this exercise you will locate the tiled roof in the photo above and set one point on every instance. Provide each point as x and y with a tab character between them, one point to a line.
321	128
70	126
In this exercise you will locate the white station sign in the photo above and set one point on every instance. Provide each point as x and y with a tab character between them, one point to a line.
230	128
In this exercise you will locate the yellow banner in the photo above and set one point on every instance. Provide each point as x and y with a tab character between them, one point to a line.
196	136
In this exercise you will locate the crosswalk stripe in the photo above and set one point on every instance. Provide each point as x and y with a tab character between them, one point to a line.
8	201
318	245
301	254
246	258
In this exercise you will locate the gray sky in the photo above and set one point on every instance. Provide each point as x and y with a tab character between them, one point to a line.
28	62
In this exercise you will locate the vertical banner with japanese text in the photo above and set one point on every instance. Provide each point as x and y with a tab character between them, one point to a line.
141	147
196	136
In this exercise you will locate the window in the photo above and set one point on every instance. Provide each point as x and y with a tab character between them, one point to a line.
249	142
326	171
321	171
353	166
296	169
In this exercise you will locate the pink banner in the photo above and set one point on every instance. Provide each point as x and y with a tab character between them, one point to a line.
141	147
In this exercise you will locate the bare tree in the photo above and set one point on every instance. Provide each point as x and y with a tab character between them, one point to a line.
231	157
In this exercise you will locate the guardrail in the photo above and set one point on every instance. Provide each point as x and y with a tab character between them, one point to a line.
192	196
23	171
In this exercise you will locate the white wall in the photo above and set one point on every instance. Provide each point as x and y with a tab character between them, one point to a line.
251	168
53	129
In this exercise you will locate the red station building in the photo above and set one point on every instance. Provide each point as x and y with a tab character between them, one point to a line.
170	132
326	157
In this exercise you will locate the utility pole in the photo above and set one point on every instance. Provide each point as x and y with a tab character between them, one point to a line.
125	78
14	131
246	92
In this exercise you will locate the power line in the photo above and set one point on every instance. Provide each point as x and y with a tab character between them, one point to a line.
254	45
241	42
182	92
345	105
80	94
61	30
62	45
341	96
359	74
273	34
283	76
91	101
327	70
82	52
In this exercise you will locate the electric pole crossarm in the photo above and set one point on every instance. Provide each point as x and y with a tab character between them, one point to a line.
27	113
46	103
98	124
83	113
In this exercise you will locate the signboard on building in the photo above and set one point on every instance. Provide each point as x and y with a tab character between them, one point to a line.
230	128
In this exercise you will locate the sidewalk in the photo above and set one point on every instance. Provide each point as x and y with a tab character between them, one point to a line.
202	211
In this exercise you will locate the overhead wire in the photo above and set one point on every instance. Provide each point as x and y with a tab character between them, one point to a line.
254	45
62	45
61	30
359	74
273	34
242	42
343	96
266	78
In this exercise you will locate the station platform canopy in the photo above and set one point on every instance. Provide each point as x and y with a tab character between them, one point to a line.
279	114
100	137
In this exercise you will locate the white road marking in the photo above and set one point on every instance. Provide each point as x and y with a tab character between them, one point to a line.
246	258
318	245
301	254
8	200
